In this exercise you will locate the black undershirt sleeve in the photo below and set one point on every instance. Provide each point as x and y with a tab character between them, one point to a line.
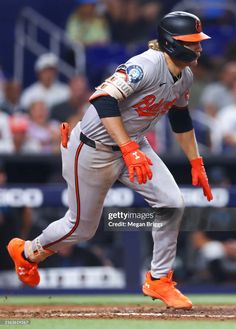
106	106
180	119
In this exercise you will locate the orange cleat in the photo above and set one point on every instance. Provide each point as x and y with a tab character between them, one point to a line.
27	272
164	289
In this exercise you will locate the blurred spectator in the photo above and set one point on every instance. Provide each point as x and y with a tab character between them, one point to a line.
201	121
72	110
11	100
47	87
3	174
6	144
215	251
14	135
230	52
151	12
226	120
202	77
43	130
128	25
114	8
2	83
85	25
216	12
22	143
203	125
214	242
218	94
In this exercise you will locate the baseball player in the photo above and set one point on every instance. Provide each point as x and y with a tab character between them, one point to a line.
109	144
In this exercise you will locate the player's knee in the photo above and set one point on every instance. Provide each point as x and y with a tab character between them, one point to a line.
176	200
84	234
87	236
180	201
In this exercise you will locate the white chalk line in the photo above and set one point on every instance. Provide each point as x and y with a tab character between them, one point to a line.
79	314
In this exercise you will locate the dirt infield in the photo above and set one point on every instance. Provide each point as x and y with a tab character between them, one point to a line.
207	312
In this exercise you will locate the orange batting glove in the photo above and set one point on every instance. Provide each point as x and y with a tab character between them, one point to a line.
199	177
65	131
137	162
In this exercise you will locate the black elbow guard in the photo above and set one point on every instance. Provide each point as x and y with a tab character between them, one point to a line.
180	119
106	106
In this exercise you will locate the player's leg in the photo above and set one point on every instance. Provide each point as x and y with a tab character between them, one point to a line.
89	174
163	194
97	171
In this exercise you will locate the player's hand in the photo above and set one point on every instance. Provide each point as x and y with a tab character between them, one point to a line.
137	162
199	177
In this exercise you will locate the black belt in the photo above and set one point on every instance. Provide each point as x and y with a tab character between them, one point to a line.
92	143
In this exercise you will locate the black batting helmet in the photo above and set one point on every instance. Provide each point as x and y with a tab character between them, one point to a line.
178	27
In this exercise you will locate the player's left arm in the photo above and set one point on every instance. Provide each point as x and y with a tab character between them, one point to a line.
182	126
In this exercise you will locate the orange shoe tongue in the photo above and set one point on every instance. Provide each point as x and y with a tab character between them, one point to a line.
168	278
165	279
170	275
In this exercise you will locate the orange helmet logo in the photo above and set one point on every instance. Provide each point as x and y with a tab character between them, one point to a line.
198	26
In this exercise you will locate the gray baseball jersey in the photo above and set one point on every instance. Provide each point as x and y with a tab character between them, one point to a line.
145	90
152	93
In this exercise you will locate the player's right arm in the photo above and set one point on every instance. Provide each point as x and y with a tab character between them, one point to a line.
116	129
105	100
136	161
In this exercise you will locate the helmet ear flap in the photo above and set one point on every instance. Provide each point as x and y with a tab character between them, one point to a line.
170	43
174	48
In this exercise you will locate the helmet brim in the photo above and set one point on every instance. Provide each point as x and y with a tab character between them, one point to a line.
196	37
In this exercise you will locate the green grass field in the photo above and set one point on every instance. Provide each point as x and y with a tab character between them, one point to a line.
115	324
109	299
